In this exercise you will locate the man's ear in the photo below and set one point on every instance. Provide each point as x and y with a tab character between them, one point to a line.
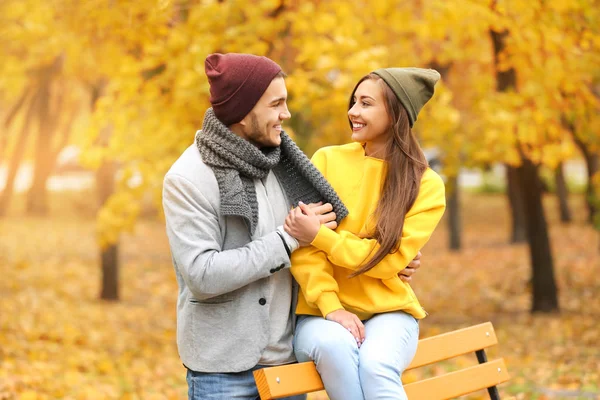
245	121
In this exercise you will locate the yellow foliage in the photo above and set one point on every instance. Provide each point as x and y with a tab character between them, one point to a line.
148	56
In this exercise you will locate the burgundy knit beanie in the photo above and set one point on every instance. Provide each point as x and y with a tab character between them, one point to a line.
237	82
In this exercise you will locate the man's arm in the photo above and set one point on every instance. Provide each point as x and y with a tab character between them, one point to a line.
195	239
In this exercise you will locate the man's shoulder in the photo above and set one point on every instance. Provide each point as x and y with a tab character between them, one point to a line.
189	166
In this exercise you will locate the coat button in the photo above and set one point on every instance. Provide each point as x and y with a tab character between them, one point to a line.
272	270
262	301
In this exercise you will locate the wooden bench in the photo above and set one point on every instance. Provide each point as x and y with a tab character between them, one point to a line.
293	379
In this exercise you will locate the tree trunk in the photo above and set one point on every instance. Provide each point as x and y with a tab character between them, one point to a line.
453	210
505	81
562	192
37	201
529	185
592	163
545	297
105	186
17	157
110	273
452	189
37	197
515	200
593	167
105	180
12	113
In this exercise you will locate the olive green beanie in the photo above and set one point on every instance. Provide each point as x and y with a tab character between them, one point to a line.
412	86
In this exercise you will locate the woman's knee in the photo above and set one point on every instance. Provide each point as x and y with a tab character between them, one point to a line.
377	365
380	378
325	340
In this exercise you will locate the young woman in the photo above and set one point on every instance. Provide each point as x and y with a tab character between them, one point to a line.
358	321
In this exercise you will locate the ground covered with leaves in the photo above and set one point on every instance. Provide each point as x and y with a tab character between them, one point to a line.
58	341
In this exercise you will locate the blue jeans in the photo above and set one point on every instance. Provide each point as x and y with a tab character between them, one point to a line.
215	386
351	373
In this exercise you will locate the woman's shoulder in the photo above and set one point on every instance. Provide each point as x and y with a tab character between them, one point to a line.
432	177
431	184
348	149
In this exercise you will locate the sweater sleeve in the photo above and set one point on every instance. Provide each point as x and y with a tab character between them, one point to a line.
314	274
312	270
195	239
350	251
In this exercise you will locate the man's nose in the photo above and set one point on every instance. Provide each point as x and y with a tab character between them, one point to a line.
285	114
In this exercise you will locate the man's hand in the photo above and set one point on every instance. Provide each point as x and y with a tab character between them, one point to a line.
407	273
349	321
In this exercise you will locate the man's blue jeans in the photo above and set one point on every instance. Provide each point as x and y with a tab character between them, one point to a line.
239	385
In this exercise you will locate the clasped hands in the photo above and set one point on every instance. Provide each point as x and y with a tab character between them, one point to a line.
303	223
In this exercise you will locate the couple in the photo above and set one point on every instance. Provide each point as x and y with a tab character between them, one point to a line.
270	249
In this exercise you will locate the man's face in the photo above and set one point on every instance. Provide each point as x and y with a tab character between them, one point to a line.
262	125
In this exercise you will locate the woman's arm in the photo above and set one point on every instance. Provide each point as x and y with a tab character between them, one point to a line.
314	274
350	251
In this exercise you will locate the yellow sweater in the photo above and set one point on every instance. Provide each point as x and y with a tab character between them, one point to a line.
322	269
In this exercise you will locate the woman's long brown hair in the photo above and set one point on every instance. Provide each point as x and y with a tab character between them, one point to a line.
406	164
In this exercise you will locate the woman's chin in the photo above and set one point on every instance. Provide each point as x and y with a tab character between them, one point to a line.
356	137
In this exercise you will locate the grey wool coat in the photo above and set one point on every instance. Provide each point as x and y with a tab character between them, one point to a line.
222	272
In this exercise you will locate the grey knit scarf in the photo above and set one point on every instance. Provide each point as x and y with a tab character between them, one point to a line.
236	162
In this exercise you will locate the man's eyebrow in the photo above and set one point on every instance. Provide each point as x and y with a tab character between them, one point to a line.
278	99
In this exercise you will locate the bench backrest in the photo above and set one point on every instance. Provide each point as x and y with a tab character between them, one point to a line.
293	379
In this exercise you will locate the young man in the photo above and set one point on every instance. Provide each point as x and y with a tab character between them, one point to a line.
225	201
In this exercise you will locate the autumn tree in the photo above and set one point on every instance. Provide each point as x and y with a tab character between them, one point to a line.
542	48
27	72
520	96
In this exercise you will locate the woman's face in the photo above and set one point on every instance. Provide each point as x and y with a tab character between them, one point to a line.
369	116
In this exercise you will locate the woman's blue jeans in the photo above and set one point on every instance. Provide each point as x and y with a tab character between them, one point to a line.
351	373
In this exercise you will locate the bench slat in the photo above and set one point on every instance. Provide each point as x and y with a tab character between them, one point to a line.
452	344
459	383
293	379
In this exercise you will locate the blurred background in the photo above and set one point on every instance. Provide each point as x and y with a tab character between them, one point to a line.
99	97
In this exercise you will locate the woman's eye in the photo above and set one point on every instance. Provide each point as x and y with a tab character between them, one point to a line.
365	104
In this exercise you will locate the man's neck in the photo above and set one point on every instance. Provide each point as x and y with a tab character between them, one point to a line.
238	129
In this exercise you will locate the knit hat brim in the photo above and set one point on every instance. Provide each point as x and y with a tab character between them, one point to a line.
412	86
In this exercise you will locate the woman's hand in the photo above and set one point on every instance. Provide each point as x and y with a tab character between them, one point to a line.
349	321
407	273
303	224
